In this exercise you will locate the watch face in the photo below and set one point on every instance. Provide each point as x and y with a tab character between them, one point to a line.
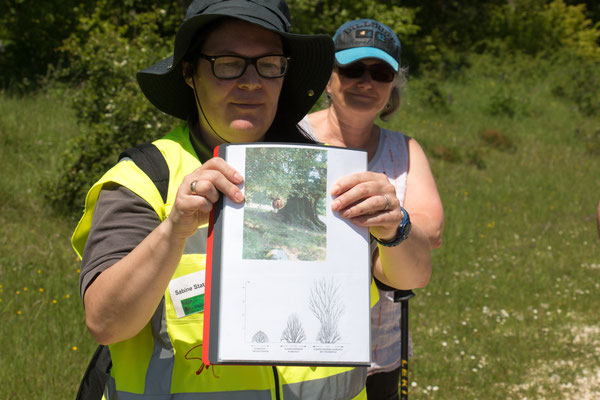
406	230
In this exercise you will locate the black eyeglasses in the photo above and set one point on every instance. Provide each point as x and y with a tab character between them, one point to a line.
232	67
379	72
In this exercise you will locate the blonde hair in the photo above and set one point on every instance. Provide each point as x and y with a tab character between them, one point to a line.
393	103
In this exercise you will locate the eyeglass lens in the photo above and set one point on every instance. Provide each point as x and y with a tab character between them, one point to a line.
379	72
230	67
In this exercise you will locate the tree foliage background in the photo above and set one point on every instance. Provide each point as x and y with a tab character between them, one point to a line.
296	175
98	45
287	172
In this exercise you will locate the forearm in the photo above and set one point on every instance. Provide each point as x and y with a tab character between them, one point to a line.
407	265
123	298
432	226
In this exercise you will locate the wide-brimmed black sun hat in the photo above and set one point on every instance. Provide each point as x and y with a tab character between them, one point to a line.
308	71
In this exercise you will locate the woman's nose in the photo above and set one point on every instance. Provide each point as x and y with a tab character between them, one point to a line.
250	79
366	78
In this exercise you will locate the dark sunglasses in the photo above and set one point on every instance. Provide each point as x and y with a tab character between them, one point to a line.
379	72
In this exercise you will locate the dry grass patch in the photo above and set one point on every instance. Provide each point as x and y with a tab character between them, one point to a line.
576	378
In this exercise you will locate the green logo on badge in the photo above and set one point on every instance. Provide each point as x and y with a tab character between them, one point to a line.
193	305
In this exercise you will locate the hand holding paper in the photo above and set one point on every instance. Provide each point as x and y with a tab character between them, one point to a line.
368	199
198	193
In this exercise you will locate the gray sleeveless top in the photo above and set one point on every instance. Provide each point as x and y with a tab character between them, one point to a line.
391	158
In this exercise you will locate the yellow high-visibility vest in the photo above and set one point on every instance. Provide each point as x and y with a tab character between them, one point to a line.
163	361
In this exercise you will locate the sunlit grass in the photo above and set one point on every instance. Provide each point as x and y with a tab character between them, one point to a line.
42	335
510	312
515	280
266	231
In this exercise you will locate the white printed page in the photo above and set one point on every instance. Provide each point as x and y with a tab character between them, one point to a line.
295	277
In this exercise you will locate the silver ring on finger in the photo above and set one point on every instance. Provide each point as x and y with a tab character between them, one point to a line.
193	187
387	203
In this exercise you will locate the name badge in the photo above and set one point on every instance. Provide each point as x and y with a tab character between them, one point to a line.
187	294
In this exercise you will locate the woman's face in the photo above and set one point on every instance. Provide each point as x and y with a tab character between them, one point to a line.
362	94
241	109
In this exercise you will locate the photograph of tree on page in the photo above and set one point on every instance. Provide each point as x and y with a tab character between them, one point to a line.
284	213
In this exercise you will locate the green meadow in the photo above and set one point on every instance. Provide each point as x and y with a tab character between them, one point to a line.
511	311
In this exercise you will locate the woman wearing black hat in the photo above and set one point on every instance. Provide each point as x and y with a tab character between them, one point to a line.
365	84
236	75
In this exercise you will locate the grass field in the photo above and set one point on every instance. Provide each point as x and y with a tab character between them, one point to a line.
44	342
511	311
265	231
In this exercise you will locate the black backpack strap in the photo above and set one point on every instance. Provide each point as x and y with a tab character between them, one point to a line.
96	375
150	160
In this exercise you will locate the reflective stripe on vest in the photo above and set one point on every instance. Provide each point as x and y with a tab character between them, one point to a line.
238	395
158	376
344	385
196	244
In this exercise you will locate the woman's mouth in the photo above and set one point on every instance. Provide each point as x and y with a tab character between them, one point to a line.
247	106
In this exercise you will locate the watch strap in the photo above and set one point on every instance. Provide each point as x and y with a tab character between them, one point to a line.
401	233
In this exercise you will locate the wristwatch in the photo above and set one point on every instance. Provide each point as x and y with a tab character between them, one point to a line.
401	233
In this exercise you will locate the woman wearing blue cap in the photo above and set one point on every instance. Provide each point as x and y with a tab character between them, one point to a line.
366	83
237	74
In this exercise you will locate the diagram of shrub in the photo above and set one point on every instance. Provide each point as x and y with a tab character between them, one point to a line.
260	337
325	304
293	332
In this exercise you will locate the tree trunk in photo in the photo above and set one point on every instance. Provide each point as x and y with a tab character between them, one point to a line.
301	211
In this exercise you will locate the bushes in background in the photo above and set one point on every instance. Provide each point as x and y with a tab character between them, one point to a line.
538	26
112	40
30	33
113	113
579	81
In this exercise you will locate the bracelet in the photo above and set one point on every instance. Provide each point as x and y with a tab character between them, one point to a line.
401	233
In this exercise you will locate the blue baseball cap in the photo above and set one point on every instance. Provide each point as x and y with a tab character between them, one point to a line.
366	38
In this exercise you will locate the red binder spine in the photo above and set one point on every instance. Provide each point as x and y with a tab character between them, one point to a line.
208	280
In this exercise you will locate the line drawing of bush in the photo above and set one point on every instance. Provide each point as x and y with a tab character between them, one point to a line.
293	332
260	337
324	302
